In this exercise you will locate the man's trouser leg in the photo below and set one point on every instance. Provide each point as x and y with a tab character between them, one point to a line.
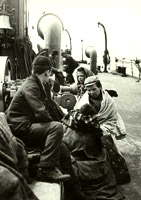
47	136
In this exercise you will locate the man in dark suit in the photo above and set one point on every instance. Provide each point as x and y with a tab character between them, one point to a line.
34	122
71	65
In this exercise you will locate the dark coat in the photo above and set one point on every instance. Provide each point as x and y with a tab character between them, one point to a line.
71	66
32	104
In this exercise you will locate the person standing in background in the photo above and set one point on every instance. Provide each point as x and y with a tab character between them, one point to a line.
71	65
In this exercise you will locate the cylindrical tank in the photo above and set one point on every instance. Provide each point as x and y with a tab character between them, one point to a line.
92	54
50	29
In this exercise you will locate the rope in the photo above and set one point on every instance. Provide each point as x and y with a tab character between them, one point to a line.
24	55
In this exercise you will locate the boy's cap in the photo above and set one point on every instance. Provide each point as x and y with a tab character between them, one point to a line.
91	80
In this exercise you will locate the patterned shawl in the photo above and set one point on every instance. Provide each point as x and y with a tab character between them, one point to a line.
81	122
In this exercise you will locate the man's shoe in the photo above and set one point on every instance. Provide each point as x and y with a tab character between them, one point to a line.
52	175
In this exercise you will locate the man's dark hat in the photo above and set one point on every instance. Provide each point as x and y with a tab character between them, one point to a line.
41	64
41	60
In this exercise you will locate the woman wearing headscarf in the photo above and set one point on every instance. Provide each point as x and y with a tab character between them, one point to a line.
80	74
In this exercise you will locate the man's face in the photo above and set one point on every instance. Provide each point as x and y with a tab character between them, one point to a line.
80	77
46	76
93	91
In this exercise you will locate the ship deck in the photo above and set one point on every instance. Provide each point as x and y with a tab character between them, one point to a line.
129	106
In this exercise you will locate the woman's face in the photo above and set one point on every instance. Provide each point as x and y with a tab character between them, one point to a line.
80	77
93	91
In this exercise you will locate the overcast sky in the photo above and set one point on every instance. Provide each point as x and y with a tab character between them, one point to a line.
121	18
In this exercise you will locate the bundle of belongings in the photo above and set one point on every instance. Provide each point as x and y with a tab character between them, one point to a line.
90	156
13	166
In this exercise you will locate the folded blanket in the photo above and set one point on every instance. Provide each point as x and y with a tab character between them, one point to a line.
13	166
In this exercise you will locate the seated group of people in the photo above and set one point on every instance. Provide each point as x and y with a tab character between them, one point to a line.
76	148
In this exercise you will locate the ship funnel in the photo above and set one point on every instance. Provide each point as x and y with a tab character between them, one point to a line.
92	54
50	29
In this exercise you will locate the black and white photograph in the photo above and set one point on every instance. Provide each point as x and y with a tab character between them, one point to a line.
70	100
